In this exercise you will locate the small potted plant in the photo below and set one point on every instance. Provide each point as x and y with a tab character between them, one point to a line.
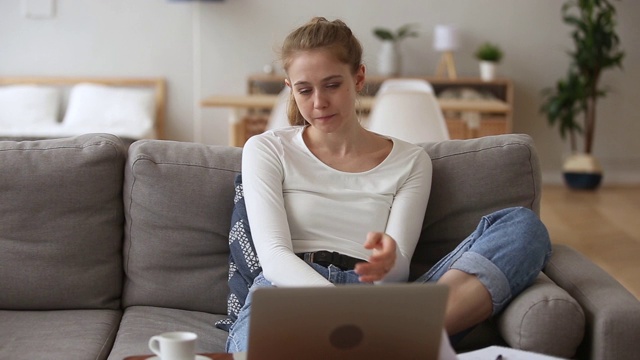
489	55
389	56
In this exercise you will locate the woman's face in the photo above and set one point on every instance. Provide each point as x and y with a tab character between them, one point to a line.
324	89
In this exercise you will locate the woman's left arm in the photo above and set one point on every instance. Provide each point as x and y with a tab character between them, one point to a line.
404	224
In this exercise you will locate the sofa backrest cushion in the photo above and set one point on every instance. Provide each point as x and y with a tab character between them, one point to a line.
179	200
472	178
61	221
178	203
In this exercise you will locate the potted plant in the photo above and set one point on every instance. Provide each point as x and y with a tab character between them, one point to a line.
571	104
389	56
489	55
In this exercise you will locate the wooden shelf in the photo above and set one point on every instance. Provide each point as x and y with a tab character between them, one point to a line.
499	122
491	114
500	88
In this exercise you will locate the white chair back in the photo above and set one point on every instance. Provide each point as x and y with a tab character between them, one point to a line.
278	116
413	116
405	84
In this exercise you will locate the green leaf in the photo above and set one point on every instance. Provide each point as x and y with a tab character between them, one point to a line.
489	52
404	31
383	34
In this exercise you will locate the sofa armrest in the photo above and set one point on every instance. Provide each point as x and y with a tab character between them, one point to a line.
612	312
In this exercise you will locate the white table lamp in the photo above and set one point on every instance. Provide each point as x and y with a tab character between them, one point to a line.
446	40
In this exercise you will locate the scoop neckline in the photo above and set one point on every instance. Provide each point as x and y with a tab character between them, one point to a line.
310	153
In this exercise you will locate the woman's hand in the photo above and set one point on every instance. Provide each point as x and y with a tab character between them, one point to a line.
382	259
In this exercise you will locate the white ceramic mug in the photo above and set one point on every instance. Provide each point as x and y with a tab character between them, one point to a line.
177	345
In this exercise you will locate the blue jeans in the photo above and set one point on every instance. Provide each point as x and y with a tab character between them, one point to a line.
506	252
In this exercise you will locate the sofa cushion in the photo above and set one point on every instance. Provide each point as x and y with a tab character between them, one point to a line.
178	204
543	318
60	334
61	223
472	178
140	323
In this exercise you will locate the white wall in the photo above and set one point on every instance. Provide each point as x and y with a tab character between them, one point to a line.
206	48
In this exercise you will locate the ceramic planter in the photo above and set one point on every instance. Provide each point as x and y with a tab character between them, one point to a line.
487	70
582	172
389	59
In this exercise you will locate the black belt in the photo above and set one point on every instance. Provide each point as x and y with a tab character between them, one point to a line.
326	258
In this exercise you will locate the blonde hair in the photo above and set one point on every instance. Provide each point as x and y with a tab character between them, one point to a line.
320	33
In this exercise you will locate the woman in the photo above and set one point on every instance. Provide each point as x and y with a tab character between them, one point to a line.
328	184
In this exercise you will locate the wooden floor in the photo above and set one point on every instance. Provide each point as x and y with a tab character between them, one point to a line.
604	225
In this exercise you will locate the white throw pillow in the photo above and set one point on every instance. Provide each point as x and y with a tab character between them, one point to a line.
107	109
28	105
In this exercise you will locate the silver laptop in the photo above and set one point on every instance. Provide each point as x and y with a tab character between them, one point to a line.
395	321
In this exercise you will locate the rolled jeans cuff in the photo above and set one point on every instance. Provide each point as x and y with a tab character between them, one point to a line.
493	279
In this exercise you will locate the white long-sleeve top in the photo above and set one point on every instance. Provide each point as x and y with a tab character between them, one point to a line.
296	203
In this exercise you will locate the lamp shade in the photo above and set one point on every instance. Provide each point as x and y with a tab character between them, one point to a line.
446	38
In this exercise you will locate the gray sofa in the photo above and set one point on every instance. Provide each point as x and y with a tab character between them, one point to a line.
104	245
